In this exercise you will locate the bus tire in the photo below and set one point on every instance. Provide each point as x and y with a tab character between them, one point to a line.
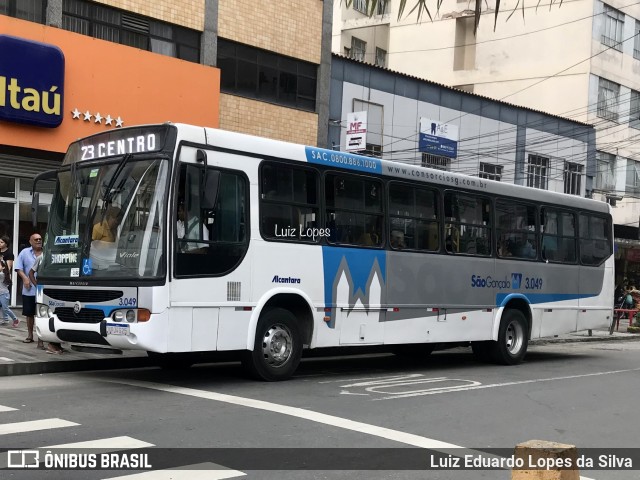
513	340
277	349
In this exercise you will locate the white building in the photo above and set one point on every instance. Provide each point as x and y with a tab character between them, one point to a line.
580	61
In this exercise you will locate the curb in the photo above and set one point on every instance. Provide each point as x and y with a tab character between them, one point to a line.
612	338
61	366
36	368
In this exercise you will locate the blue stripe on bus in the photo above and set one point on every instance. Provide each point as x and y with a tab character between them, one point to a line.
358	266
338	159
503	298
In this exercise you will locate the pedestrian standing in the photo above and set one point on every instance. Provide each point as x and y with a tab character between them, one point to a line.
53	347
6	255
25	261
5	296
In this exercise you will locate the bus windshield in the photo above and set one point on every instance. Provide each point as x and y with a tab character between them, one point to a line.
107	221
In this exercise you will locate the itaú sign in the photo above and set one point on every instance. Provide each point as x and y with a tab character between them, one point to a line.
31	82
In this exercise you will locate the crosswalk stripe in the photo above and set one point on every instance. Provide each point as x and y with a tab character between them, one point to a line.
33	425
201	471
6	409
119	443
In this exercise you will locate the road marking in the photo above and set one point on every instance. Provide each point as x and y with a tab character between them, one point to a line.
339	422
6	409
505	384
387	385
7	359
201	471
33	425
113	443
363	379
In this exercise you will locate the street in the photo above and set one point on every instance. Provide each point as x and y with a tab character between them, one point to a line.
583	394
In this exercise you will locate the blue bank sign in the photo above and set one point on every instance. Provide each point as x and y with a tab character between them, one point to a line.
31	82
438	138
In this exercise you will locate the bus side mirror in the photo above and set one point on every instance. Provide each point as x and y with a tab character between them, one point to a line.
35	200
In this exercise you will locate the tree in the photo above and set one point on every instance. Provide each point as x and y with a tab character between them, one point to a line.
421	7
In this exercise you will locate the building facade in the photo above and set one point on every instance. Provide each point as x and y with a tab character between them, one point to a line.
580	61
218	63
419	122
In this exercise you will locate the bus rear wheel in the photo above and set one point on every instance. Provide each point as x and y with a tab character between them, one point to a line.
513	339
278	347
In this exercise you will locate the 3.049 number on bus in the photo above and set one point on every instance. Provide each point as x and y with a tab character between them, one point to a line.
533	283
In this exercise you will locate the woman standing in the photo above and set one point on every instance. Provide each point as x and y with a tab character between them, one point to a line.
6	269
5	253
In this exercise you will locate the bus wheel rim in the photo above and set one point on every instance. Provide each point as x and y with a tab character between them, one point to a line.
277	345
514	338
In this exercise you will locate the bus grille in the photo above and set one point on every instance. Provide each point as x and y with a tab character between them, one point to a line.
76	336
86	315
84	296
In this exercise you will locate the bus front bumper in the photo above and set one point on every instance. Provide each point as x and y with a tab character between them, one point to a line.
122	335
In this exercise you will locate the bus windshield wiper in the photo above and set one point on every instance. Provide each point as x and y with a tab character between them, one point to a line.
106	200
108	194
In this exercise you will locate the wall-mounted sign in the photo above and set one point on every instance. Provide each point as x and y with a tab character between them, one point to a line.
31	82
438	138
356	131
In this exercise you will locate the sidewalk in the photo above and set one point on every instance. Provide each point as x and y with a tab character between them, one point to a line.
17	358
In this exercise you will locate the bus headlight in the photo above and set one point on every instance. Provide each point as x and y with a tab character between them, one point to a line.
132	315
44	310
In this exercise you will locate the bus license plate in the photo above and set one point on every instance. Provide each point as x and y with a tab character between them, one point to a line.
117	329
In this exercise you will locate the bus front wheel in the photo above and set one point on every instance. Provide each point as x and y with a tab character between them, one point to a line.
513	340
278	347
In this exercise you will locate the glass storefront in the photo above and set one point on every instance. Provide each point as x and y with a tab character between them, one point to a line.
15	219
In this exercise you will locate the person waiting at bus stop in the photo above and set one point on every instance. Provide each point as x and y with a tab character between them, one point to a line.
54	347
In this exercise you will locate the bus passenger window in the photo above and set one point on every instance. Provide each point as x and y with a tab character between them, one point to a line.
452	242
397	240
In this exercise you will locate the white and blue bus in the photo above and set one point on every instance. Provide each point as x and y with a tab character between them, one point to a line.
225	241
